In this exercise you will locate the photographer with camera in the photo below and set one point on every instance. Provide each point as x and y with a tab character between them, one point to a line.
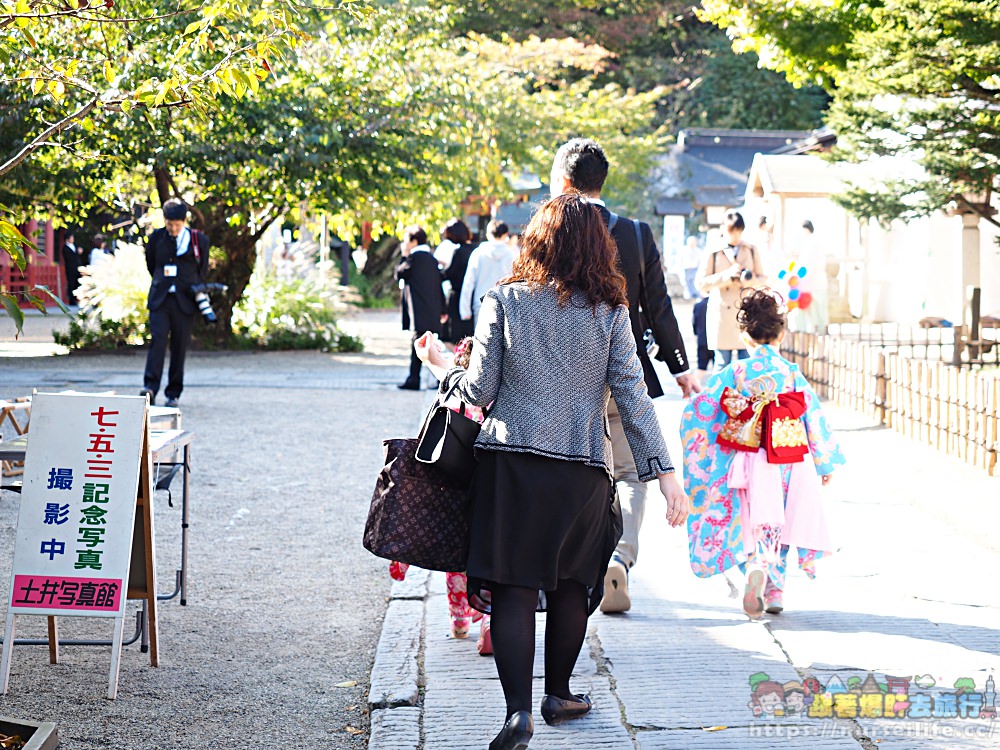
177	259
723	275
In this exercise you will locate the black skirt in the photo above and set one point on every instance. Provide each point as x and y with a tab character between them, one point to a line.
536	521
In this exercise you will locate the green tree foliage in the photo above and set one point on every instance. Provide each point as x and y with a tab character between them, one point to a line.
376	117
913	78
70	67
659	45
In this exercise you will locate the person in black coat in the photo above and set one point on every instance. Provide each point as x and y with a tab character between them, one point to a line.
458	232
699	323
581	166
177	259
72	262
423	297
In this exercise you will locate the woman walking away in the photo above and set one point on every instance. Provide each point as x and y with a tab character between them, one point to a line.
757	451
552	343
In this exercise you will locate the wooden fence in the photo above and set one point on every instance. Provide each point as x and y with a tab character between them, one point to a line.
957	410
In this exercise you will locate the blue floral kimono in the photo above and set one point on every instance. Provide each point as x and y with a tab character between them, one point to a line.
716	533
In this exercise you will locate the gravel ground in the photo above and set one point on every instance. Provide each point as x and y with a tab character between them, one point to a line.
284	610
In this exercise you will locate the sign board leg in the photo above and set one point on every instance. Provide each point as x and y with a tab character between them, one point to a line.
116	657
8	648
53	640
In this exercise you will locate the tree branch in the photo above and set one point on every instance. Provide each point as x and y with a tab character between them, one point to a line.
39	140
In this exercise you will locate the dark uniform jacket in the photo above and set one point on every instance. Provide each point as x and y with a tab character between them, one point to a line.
423	297
161	250
657	311
455	273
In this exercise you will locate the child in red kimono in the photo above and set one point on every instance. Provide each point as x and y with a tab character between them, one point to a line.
462	615
757	452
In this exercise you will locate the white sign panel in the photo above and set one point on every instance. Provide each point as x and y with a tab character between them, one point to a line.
78	504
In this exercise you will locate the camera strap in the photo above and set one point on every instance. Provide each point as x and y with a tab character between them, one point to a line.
194	245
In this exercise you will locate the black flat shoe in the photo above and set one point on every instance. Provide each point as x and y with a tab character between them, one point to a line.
408	386
516	733
557	710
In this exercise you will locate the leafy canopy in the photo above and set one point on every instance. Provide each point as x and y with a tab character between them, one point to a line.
918	79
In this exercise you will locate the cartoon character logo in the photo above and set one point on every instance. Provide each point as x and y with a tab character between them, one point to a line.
767	697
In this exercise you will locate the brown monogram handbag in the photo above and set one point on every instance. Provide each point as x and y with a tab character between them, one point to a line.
419	513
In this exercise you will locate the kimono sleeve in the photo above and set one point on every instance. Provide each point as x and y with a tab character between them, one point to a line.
822	445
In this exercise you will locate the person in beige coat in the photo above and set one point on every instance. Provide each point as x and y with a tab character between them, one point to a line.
723	275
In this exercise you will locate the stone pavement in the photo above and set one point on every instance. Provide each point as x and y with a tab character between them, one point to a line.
912	591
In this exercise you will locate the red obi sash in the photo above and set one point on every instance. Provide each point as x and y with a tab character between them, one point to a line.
765	419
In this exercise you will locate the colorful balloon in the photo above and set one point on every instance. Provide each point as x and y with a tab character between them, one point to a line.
805	299
802	272
793	281
782	273
792	305
793	294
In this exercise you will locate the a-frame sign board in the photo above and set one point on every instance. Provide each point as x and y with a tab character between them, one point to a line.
87	491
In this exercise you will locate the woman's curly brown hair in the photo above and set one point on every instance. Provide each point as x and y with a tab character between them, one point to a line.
762	314
567	244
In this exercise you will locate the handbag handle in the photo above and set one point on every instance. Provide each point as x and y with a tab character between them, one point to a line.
440	401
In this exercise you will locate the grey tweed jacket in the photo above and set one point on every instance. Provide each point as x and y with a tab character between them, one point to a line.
549	370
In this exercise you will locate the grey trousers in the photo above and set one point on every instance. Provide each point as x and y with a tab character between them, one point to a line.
631	492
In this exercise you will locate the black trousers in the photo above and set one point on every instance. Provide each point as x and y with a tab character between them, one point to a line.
168	321
415	363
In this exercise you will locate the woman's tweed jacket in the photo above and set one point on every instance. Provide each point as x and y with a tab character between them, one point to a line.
548	371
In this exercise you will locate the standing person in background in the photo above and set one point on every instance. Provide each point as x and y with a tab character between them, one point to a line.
814	317
177	259
698	324
552	344
423	297
724	273
71	262
580	166
457	233
691	259
489	263
100	251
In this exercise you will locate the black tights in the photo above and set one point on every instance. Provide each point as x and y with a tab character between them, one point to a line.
513	629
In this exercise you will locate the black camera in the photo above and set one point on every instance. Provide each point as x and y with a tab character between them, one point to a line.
746	274
201	299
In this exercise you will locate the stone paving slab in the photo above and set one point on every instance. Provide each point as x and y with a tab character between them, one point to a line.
395	673
931	735
795	737
395	728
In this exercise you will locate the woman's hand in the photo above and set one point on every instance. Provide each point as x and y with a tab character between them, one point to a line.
430	351
826	479
678	505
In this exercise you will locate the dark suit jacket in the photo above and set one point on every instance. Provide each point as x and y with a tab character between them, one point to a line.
455	273
423	297
161	250
658	312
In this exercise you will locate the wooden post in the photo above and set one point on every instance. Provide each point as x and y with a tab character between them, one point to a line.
994	430
881	389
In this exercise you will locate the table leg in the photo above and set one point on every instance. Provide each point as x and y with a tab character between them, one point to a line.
185	508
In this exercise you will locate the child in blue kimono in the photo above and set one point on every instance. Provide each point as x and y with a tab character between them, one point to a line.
757	451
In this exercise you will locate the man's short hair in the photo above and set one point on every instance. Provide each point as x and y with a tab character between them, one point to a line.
808	226
496	229
100	239
174	209
583	163
734	220
415	233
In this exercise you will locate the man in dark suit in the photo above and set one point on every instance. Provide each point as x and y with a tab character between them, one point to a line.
177	259
581	166
423	297
72	262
